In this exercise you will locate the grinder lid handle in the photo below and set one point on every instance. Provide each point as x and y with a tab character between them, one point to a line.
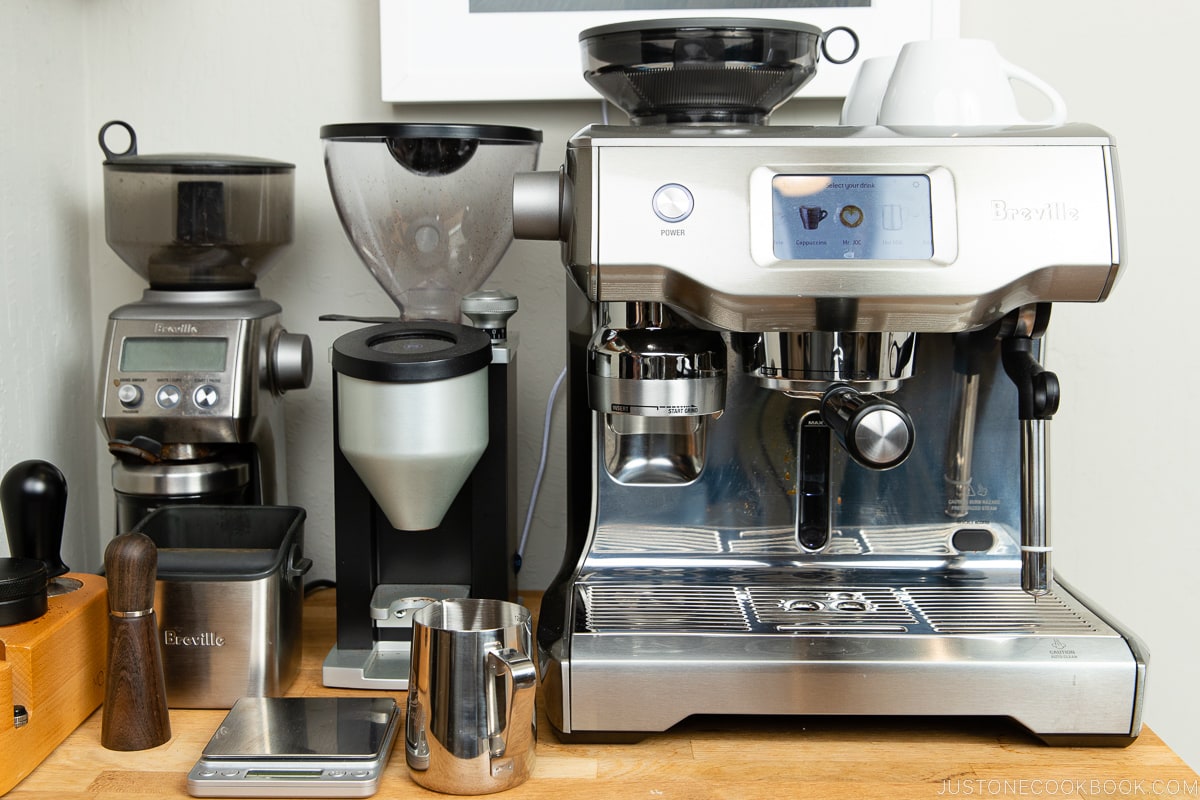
111	154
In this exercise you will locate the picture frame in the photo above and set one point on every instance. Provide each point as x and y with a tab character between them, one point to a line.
528	50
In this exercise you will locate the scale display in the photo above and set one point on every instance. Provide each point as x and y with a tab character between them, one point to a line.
873	217
173	354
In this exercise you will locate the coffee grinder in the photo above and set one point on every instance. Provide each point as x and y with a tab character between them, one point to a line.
424	406
193	375
807	457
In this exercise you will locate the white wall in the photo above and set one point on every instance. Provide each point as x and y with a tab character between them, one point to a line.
47	405
260	79
1124	451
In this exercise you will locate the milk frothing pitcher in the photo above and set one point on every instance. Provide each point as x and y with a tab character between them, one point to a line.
471	719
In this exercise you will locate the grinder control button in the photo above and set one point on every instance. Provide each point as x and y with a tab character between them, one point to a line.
168	396
206	396
130	395
673	203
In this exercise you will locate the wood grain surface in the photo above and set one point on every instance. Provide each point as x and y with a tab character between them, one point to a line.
828	758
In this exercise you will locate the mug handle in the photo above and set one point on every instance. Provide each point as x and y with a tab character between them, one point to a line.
1058	106
519	677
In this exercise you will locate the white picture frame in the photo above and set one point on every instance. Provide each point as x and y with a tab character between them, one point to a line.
442	51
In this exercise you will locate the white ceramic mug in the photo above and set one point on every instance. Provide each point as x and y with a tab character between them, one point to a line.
866	92
960	82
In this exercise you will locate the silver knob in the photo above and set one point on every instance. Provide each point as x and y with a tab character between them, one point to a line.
130	395
541	205
876	432
291	361
489	310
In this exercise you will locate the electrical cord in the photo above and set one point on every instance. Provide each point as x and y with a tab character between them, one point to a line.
519	556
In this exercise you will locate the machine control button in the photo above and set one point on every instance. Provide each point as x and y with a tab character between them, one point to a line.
206	396
168	396
973	540
130	395
673	203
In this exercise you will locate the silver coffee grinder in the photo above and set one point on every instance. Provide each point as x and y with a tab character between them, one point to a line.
807	460
424	406
194	373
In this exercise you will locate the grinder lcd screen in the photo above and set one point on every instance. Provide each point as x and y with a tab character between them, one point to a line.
173	354
874	217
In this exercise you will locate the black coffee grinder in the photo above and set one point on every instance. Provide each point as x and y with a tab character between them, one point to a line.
425	406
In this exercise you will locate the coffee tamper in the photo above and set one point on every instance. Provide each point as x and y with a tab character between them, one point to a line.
33	498
135	692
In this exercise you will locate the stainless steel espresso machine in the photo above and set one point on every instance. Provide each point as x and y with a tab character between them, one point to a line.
193	374
807	413
424	405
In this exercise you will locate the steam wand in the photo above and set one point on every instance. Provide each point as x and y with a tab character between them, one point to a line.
1038	396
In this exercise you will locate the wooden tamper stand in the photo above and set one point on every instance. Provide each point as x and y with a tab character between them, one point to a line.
52	645
135	692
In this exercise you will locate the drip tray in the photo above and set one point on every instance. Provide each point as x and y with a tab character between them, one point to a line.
832	610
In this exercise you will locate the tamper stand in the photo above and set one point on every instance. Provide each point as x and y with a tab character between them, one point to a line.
51	659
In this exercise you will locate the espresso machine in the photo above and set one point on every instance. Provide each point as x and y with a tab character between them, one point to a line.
193	374
807	415
424	404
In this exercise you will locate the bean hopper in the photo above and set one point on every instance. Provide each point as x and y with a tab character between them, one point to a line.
425	405
194	373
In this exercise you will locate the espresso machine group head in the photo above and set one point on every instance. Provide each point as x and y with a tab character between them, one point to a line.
194	373
424	406
807	410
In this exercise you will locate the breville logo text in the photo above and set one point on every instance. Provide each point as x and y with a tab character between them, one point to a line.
1048	212
206	639
183	327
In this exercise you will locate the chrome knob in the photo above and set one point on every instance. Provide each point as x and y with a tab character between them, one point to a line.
541	205
291	361
489	310
130	395
876	432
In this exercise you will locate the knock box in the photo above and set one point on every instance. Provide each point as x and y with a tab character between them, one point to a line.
229	600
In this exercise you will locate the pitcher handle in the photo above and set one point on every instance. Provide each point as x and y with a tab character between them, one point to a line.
520	686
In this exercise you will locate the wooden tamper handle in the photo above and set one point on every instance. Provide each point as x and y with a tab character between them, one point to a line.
135	693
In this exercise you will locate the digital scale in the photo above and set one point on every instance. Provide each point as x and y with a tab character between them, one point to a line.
298	747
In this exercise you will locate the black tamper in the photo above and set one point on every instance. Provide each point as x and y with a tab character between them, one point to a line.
33	496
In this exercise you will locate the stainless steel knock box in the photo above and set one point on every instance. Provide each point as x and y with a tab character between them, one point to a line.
229	600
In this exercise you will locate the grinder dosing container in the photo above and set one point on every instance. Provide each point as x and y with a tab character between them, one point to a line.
412	414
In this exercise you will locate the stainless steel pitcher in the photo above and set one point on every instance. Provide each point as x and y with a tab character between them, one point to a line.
471	724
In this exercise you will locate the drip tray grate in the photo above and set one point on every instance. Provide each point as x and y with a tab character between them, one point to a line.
663	608
1008	611
999	611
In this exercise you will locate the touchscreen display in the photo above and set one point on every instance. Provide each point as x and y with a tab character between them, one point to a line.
871	217
173	354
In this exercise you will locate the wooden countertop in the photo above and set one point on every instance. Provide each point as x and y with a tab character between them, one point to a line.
818	757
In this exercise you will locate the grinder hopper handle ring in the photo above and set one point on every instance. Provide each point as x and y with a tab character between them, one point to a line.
518	675
112	154
825	45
